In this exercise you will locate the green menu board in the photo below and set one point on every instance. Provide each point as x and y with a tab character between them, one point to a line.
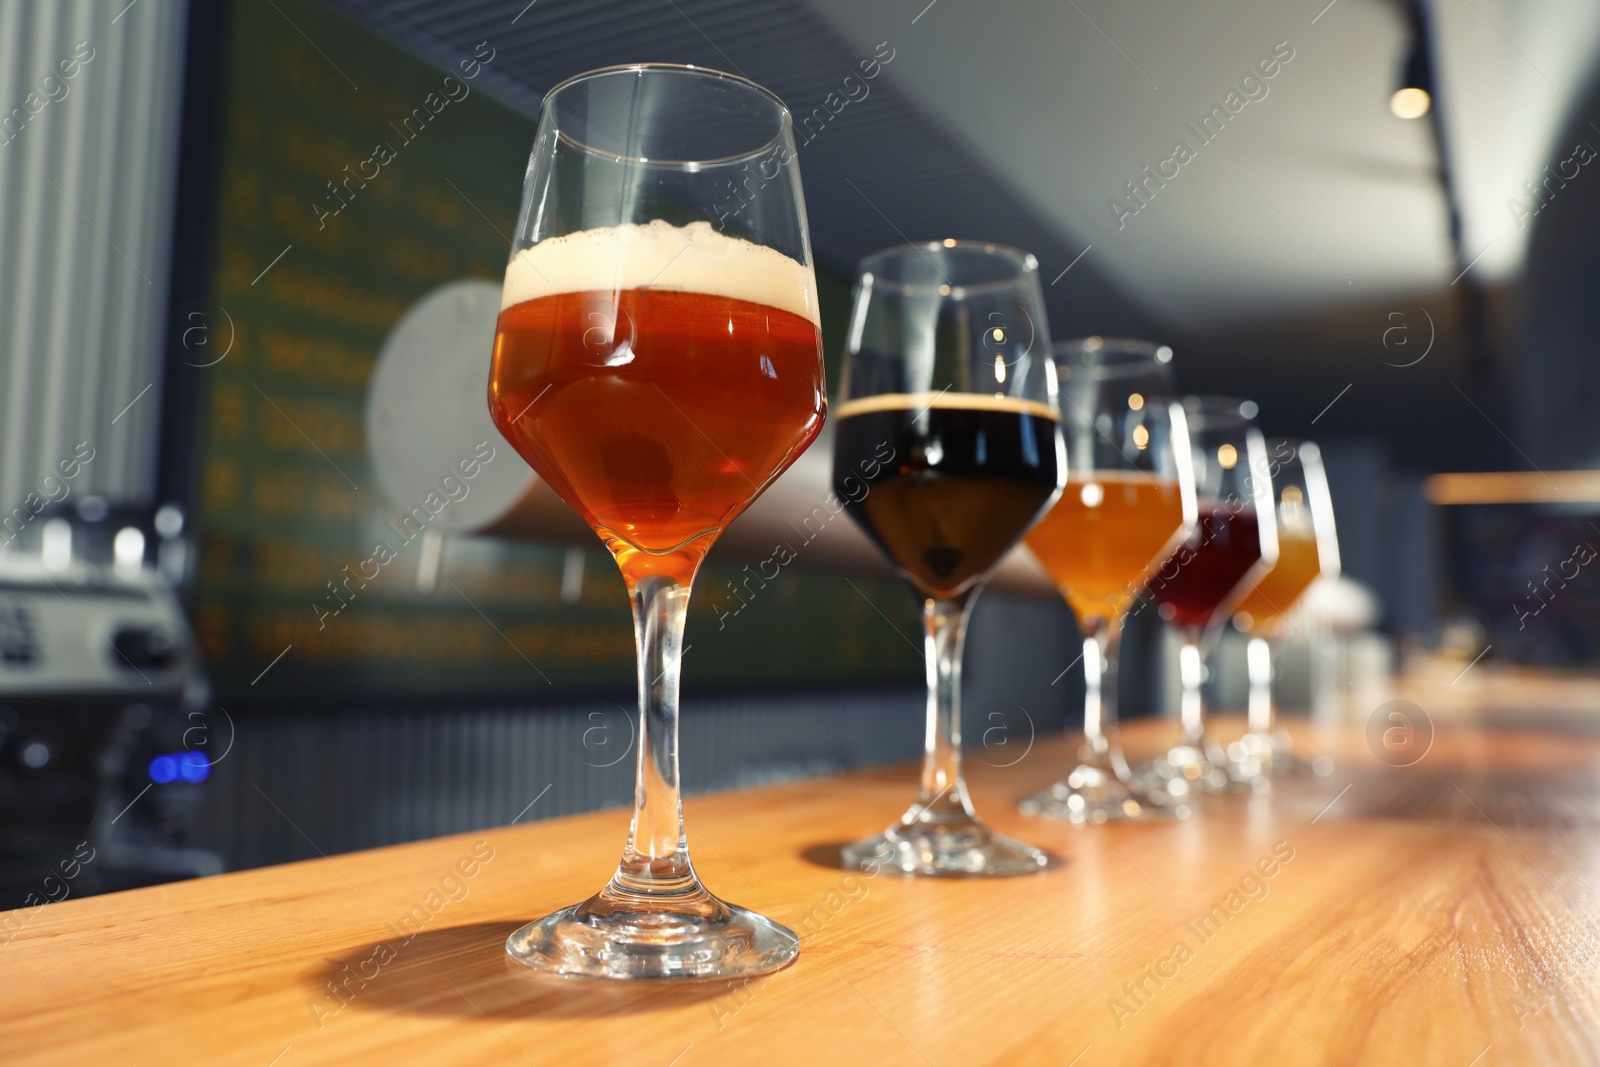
354	179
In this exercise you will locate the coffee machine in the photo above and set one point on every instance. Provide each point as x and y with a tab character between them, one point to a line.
106	729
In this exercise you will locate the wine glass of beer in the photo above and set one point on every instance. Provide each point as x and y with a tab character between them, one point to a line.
948	447
1196	587
1308	548
1129	502
658	362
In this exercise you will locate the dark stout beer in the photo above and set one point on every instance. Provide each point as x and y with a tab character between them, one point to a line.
970	474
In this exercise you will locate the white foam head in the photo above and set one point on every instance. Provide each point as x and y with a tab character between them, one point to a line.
658	255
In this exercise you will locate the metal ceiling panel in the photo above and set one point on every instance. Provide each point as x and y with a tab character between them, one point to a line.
878	173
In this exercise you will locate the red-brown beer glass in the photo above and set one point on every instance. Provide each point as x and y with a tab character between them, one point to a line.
658	363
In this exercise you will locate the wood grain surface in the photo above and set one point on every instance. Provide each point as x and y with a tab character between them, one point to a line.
1440	913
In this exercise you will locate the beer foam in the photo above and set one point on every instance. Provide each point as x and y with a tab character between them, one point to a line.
658	255
920	402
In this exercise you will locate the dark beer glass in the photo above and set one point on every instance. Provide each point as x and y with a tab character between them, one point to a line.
948	449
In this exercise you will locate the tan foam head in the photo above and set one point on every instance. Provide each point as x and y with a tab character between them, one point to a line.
920	402
658	255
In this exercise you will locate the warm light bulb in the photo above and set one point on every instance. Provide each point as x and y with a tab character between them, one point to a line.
1135	401
999	368
127	550
55	544
1227	455
1410	103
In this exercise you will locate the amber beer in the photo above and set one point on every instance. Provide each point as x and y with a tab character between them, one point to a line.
1107	530
1261	612
657	410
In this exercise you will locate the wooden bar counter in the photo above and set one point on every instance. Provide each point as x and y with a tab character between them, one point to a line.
1440	913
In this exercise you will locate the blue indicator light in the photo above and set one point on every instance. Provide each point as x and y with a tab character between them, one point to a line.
163	769
180	766
194	767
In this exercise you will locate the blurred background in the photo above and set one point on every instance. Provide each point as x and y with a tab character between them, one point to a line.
251	257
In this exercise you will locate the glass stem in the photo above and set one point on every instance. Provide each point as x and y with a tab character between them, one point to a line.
1258	658
1100	748
656	861
943	793
1191	673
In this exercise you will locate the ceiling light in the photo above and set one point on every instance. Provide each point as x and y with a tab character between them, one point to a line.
1414	96
1410	102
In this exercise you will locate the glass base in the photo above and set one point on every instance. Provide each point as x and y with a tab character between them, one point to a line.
1092	794
1185	772
958	848
1258	756
1267	755
700	938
